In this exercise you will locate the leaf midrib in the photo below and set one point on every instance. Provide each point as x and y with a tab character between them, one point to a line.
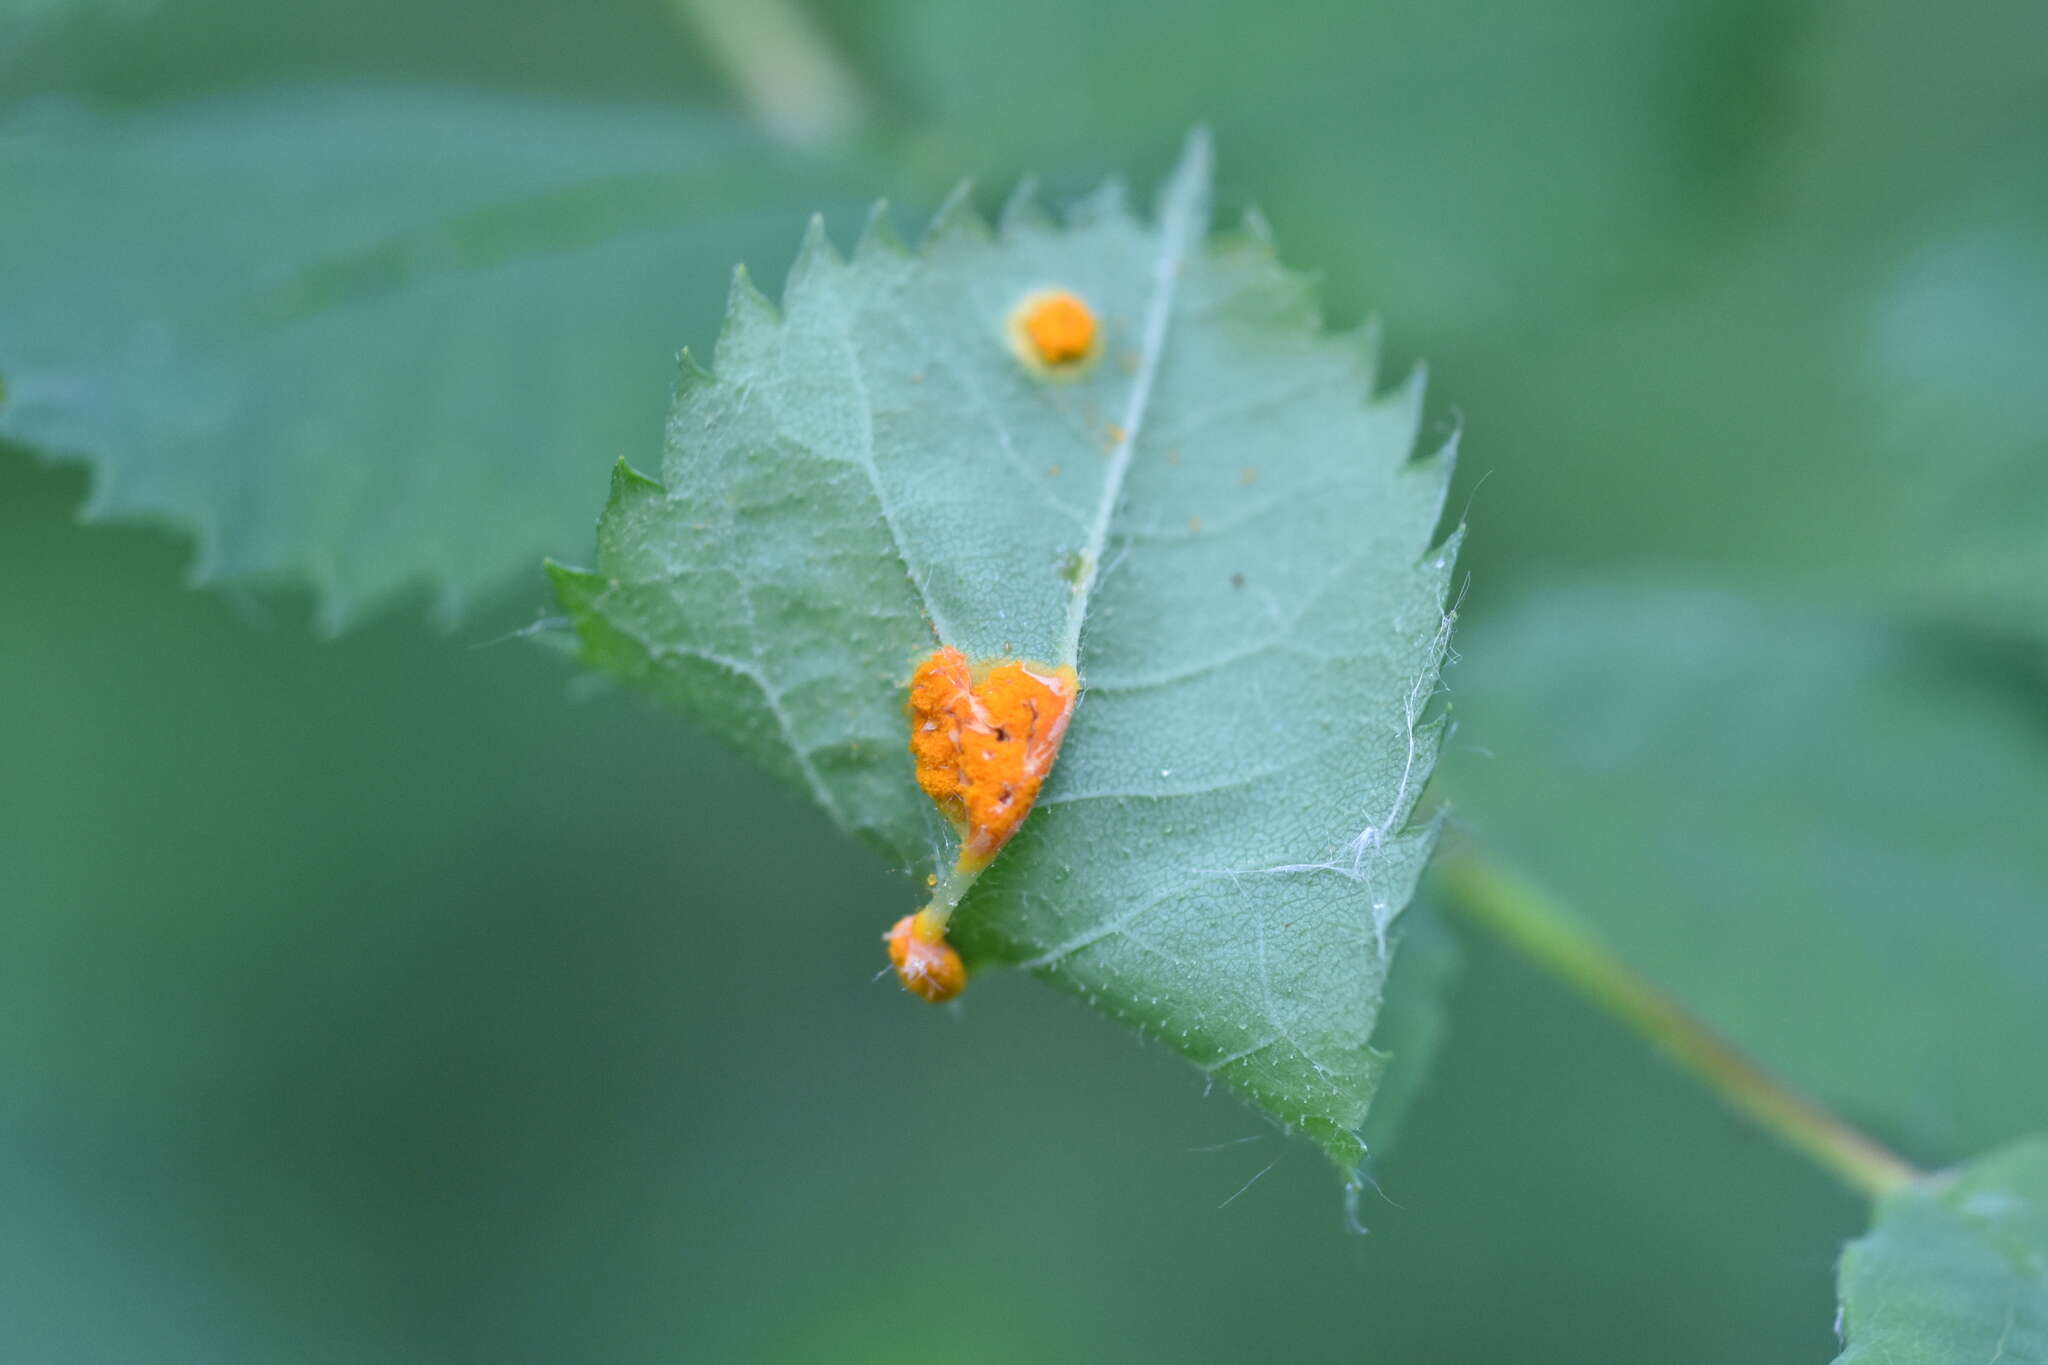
1182	219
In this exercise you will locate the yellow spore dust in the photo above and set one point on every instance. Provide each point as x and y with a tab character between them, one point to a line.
929	967
1053	330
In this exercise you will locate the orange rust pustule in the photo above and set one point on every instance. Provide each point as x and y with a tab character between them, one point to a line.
1059	327
983	745
928	966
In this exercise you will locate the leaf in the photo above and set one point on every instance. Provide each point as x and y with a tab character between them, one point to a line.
128	53
369	340
1946	363
1818	833
1838	398
1797	243
1216	521
1956	1268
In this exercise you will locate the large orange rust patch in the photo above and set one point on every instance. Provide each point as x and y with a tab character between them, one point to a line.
983	739
984	746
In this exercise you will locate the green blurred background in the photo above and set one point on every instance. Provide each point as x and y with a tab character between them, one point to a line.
374	999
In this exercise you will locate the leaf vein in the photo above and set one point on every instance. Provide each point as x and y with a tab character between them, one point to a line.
1182	218
754	674
857	373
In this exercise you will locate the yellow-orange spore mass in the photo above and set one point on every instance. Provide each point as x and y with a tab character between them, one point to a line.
984	745
1059	326
927	965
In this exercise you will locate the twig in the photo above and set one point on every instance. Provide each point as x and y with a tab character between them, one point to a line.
1545	933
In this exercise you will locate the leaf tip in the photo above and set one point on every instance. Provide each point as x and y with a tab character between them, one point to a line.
1184	198
691	375
816	259
628	481
1197	155
744	299
1442	458
1022	211
957	220
1108	202
1258	229
576	589
747	312
878	235
1406	399
1364	343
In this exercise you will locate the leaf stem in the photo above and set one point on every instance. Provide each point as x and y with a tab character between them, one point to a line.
784	67
952	888
1545	933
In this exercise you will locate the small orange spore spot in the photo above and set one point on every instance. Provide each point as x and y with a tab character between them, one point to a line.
1195	524
1249	477
1054	329
984	744
928	966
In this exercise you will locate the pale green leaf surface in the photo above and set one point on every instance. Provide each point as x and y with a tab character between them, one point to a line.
1222	850
1820	834
1955	1271
372	340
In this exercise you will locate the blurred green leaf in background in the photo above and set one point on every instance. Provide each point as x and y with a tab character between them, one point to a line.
1954	1272
367	340
1816	832
435	1058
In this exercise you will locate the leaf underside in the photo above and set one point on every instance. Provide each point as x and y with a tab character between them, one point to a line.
1955	1268
1225	843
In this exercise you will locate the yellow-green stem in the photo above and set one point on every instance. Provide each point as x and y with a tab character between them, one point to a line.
782	66
952	888
1547	935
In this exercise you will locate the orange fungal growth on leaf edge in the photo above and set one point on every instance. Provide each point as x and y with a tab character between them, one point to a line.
1053	329
928	966
984	746
983	740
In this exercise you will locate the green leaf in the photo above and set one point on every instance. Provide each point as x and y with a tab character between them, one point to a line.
1799	245
128	53
1817	833
1839	396
368	340
1956	1268
1217	522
